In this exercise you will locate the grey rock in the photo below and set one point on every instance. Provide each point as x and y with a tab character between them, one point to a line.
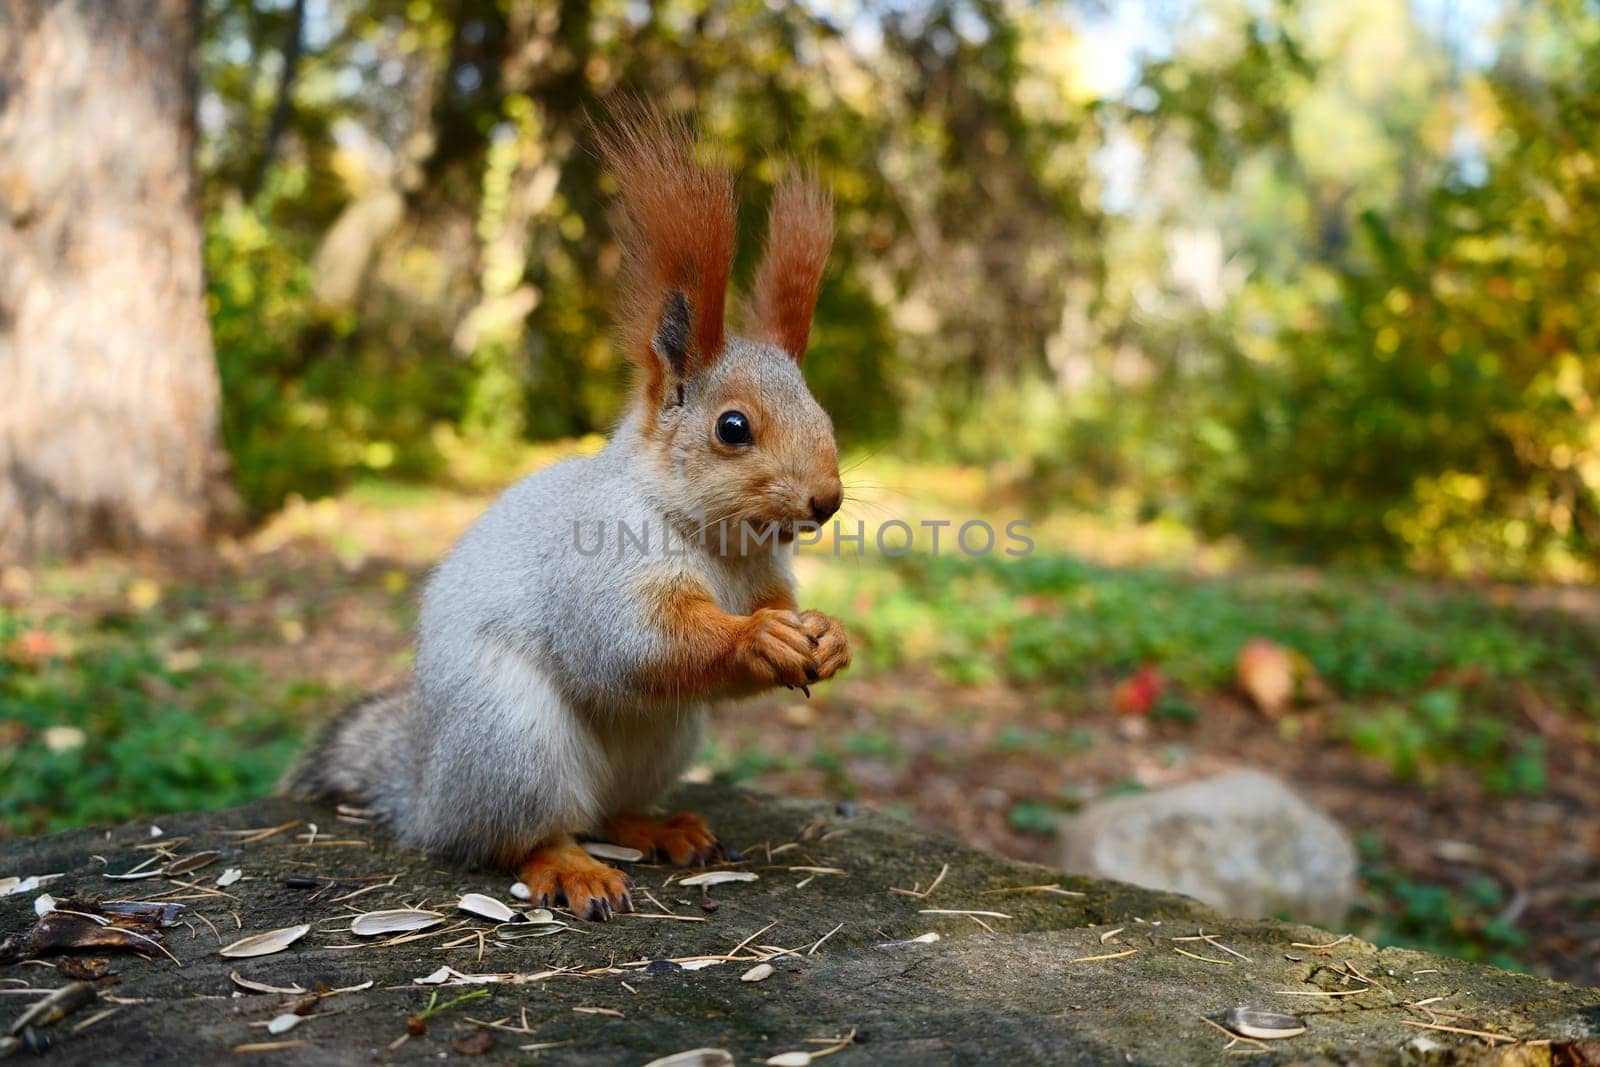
1244	843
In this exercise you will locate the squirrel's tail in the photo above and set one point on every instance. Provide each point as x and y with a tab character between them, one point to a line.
361	757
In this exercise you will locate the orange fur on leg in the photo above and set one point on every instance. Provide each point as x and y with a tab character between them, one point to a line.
776	597
712	653
684	838
561	871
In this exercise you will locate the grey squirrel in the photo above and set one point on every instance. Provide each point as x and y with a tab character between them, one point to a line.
558	689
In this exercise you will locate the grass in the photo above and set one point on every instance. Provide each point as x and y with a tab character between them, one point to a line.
99	725
1422	677
1462	921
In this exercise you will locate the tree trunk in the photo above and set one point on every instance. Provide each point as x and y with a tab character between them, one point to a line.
108	386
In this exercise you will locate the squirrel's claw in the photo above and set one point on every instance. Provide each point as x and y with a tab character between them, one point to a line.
563	874
831	645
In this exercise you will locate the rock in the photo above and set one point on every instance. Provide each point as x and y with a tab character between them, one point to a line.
1243	843
1053	981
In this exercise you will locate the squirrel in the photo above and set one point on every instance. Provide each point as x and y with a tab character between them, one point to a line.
560	689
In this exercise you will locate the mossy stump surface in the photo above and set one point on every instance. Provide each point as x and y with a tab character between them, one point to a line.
1047	983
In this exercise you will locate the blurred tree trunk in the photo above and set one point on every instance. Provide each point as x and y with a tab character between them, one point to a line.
108	386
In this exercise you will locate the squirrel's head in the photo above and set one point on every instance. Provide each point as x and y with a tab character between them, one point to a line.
735	432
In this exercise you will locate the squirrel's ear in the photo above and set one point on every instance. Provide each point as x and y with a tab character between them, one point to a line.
670	342
675	225
799	234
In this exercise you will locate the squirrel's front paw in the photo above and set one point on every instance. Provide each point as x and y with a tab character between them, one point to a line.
776	650
562	873
832	645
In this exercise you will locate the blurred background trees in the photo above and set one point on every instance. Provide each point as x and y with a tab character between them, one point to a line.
108	390
1316	273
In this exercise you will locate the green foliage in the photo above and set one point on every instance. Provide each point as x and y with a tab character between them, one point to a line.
433	228
312	399
1402	366
1033	817
1460	921
1386	650
141	735
1333	298
734	765
1436	730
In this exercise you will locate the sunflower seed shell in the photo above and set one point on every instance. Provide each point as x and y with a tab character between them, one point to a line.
265	944
486	907
600	850
395	921
711	878
1263	1025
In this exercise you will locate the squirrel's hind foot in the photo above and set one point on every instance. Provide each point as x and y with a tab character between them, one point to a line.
683	839
561	873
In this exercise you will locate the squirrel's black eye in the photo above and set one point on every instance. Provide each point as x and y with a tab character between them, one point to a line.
733	428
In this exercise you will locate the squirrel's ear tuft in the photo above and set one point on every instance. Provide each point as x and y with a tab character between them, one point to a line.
675	224
799	234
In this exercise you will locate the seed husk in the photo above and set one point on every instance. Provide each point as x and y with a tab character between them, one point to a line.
192	862
487	907
790	1059
394	921
282	1024
601	850
137	873
759	972
711	878
228	877
1263	1025
262	987
695	1057
520	891
265	944
18	884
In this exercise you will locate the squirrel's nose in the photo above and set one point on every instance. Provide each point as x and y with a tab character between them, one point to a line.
823	506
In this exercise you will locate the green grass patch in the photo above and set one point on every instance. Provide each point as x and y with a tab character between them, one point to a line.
1422	677
112	724
1461	921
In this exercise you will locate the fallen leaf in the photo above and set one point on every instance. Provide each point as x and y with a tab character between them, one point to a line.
1266	675
86	926
1138	694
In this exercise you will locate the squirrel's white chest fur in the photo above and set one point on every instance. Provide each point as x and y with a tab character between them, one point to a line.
526	694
